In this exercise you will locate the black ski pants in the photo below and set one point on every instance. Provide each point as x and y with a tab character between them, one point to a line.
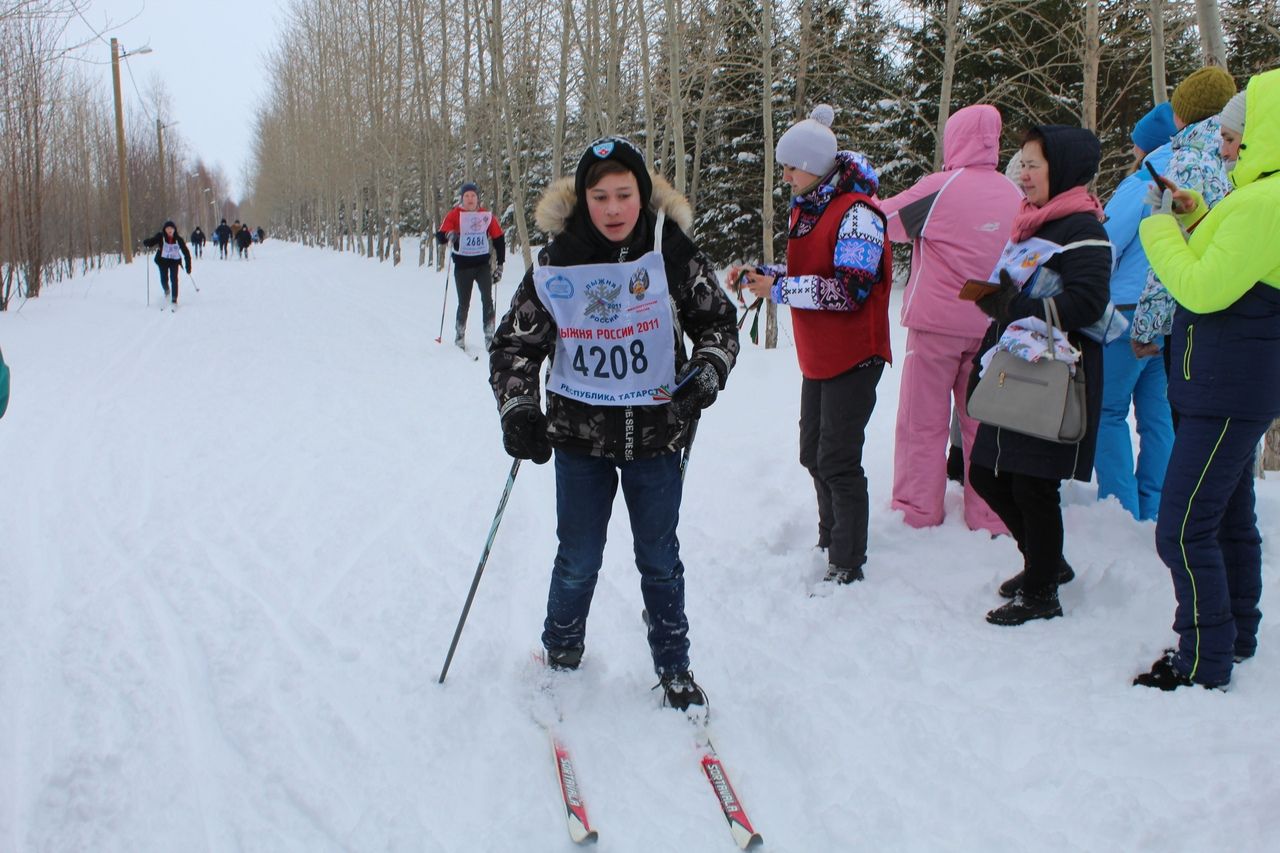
1031	507
464	278
169	278
833	426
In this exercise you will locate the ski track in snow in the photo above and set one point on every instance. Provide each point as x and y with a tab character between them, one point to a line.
239	538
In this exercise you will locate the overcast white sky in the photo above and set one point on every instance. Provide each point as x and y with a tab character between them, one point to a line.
209	54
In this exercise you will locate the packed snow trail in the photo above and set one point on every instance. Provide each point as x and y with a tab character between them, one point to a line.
237	539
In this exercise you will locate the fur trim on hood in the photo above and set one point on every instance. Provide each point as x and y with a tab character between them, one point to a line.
558	201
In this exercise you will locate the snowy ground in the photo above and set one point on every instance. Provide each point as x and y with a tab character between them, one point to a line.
237	539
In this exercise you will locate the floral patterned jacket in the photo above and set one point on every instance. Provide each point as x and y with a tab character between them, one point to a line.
1197	165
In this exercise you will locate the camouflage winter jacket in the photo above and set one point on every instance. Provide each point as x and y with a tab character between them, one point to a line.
527	335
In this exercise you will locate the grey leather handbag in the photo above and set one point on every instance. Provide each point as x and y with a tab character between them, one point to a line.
1036	398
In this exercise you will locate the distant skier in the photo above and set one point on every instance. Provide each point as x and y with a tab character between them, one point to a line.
197	242
222	234
171	252
474	233
260	235
244	238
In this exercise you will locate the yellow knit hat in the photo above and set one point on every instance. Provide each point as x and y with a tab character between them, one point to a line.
1203	94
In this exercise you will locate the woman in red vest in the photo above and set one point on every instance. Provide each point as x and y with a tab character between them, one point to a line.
836	280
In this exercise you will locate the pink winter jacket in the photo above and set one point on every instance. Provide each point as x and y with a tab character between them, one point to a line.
958	221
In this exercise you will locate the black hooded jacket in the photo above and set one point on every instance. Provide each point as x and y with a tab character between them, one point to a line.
1072	155
158	242
527	335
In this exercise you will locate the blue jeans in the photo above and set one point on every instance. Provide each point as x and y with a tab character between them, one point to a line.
1142	383
1207	534
585	488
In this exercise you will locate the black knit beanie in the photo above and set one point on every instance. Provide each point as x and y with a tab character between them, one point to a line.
614	148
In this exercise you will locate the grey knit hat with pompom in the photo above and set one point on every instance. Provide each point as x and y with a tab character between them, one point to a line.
809	145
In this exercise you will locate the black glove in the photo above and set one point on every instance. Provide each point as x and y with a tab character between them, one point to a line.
996	305
524	434
697	384
188	269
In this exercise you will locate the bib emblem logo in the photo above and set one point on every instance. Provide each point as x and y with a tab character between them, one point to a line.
559	287
639	284
603	305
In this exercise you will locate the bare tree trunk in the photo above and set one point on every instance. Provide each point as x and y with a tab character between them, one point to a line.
1271	452
1212	41
562	97
1092	54
766	208
646	84
505	117
674	100
1159	84
804	38
950	28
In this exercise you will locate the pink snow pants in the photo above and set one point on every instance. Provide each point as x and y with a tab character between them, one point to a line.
934	372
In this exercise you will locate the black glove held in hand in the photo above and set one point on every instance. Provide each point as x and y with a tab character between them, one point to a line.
996	305
524	434
701	383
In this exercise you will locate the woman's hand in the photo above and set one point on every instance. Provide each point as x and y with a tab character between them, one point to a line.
1182	200
731	282
760	286
1144	350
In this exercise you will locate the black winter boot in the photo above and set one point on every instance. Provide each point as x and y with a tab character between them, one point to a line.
1025	607
835	574
564	660
1013	585
1163	675
955	464
679	690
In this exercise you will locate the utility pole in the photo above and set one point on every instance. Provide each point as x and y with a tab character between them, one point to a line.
126	238
126	244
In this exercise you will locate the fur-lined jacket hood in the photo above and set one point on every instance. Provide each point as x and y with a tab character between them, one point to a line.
559	201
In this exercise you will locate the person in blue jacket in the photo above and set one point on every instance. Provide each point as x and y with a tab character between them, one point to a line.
1127	379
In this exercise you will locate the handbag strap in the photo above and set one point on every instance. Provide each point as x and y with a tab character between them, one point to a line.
1054	322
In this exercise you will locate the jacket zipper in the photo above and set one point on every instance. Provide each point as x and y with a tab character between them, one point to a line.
1186	355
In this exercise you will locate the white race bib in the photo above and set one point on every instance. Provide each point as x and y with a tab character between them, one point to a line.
1021	260
616	343
170	251
473	233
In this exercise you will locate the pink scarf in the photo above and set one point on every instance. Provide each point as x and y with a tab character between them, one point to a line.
1030	218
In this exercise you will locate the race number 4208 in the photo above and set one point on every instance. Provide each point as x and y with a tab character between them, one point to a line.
612	363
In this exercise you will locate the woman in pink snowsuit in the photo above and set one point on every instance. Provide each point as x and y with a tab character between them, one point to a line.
958	221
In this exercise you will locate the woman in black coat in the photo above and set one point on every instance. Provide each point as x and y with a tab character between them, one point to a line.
1020	475
171	253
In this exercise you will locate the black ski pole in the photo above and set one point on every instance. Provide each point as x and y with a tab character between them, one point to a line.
447	265
193	281
688	447
484	558
148	266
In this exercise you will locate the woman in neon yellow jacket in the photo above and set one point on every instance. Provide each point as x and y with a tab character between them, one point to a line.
1225	386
